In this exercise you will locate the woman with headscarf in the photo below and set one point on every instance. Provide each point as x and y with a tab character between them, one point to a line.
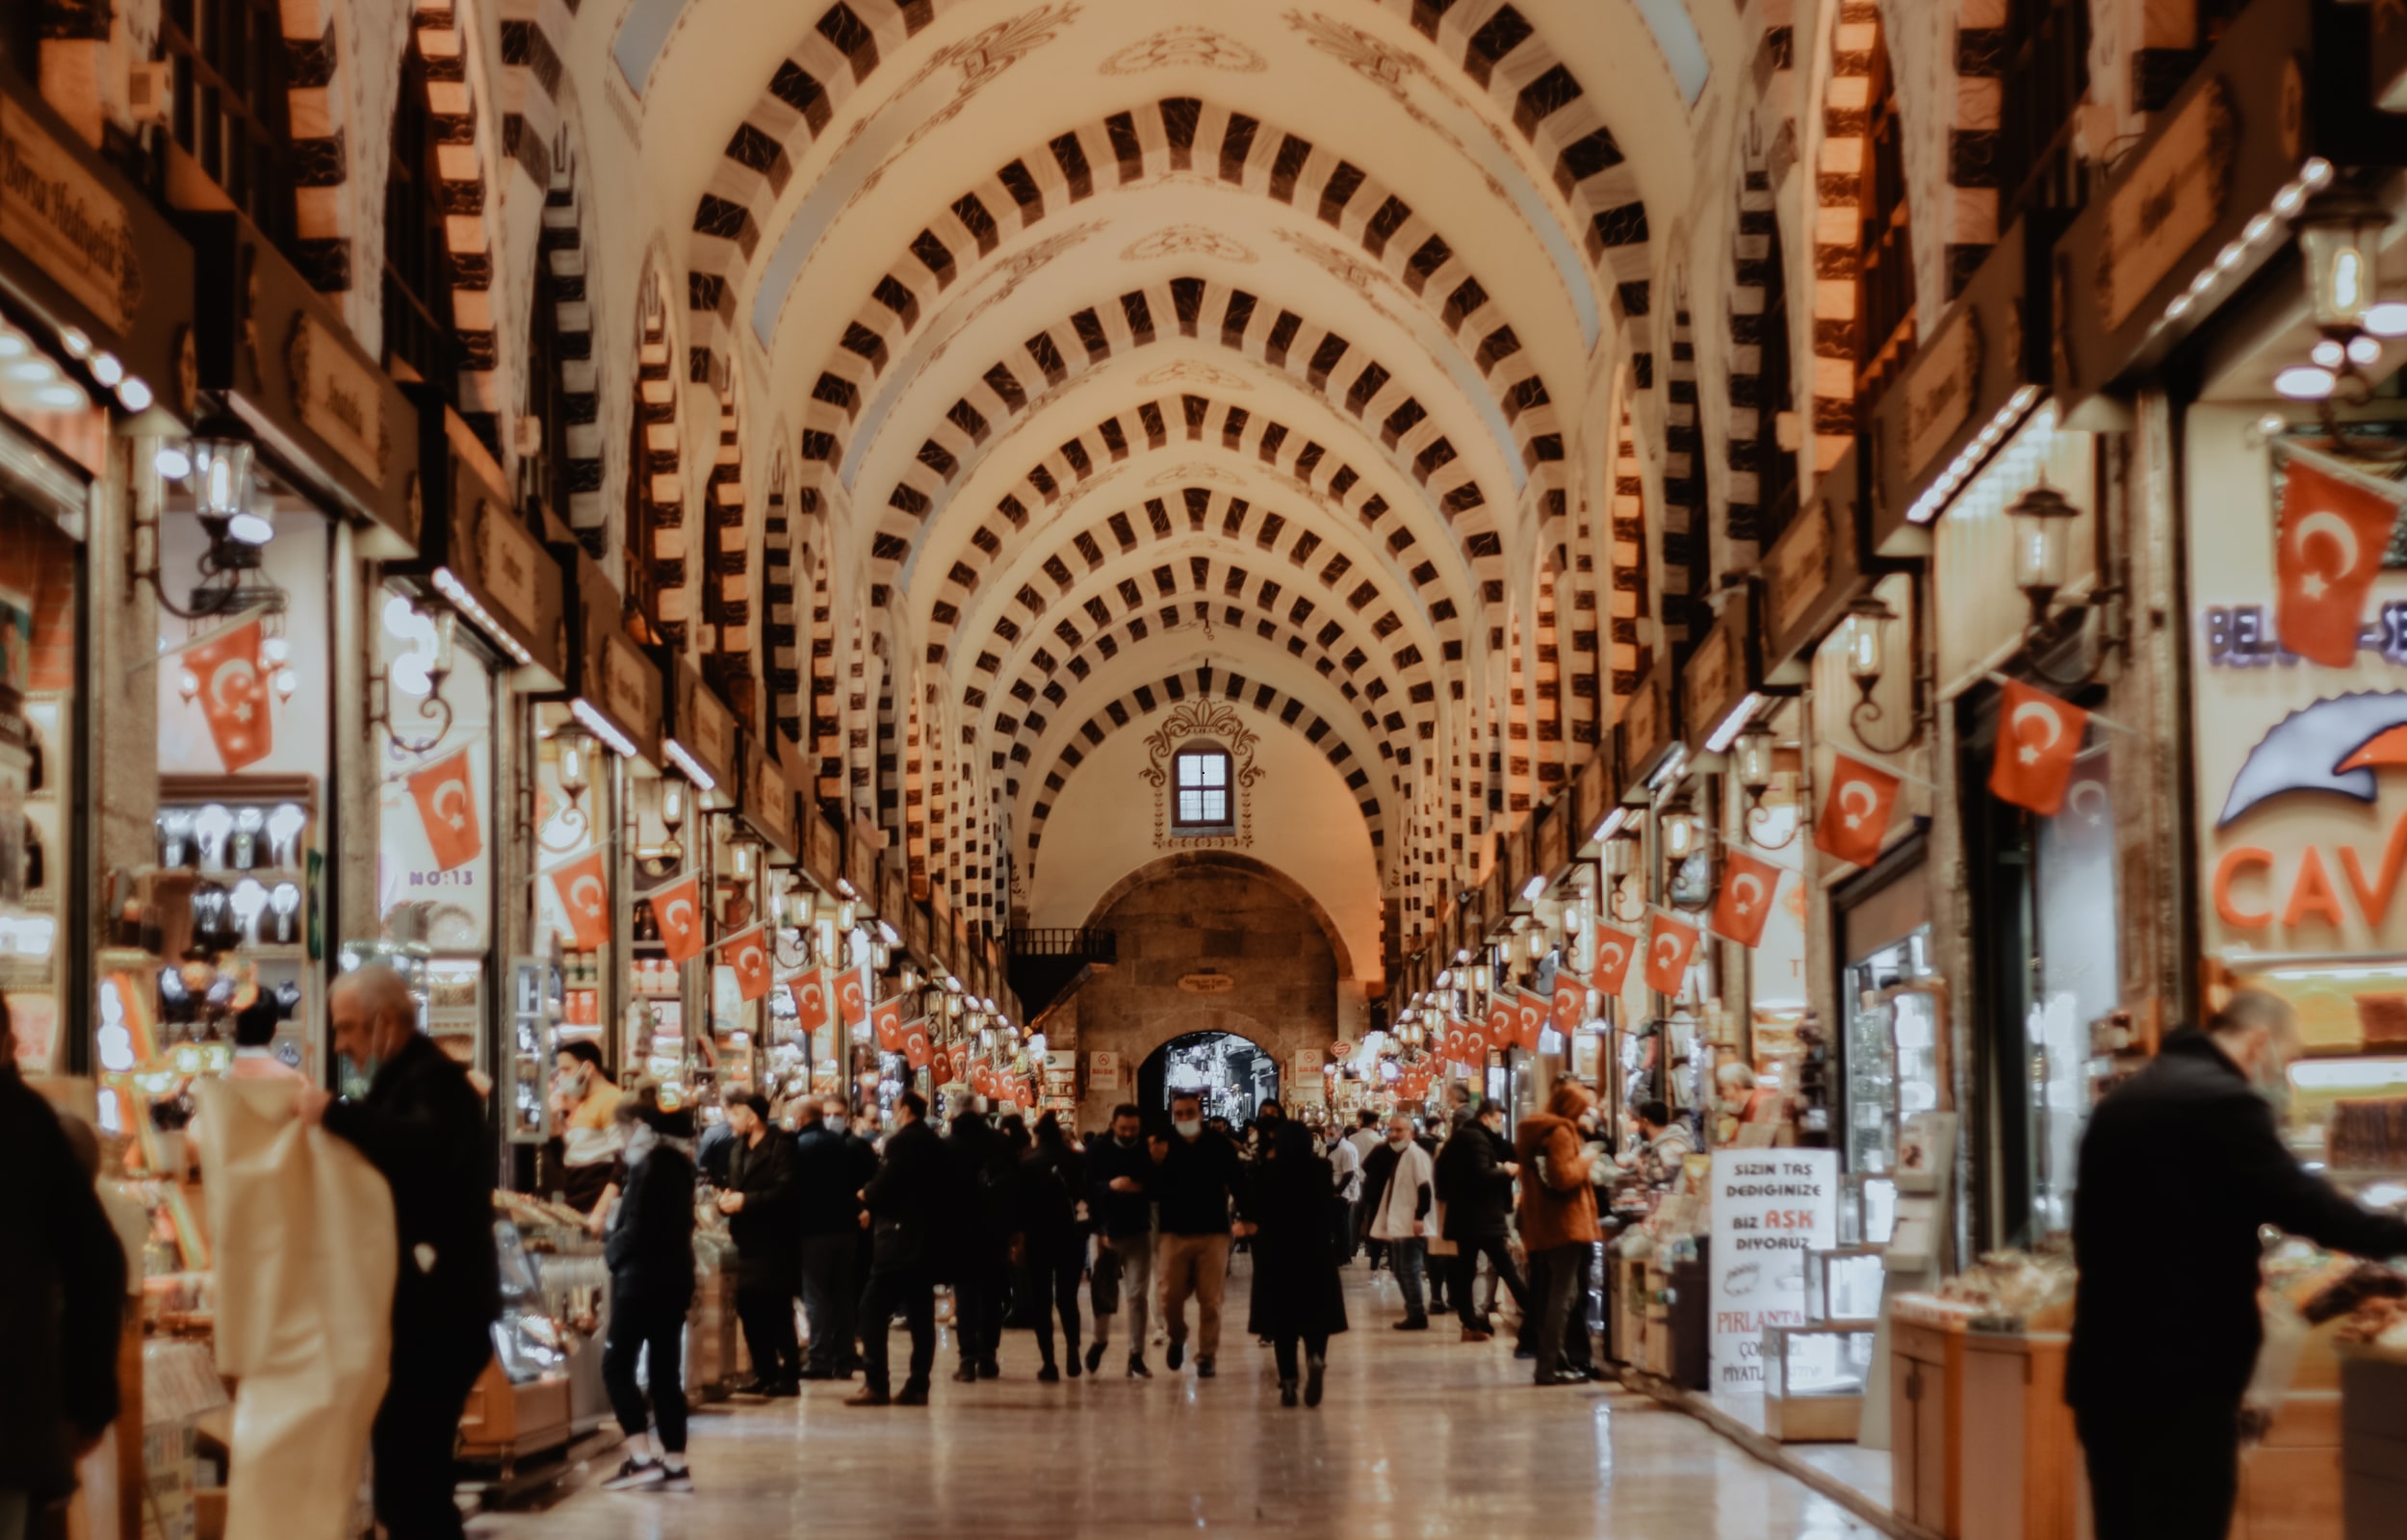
1297	1297
649	1248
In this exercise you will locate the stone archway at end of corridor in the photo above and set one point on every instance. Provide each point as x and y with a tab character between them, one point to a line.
1207	942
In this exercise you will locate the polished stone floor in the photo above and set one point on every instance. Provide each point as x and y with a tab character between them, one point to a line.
1420	1435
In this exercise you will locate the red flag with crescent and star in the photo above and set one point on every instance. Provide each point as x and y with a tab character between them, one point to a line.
915	1048
747	952
1854	816
677	910
811	1000
2334	534
1570	1004
1475	1048
1456	1043
1670	944
2039	739
1745	903
852	997
586	894
233	696
1529	1018
447	805
1503	1017
887	1021
1614	951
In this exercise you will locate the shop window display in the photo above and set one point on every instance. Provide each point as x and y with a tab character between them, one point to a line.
38	583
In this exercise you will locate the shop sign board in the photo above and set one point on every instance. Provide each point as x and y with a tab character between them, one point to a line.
61	215
825	859
768	801
1719	673
1309	1061
1553	852
1771	1209
612	678
341	399
1939	390
917	930
2172	196
1102	1070
1647	732
1814	571
476	551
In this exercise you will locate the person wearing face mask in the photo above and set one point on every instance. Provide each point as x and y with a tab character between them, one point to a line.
1559	1228
1345	1166
760	1203
583	1103
1119	1176
1399	1208
832	1165
1196	1173
1475	1178
647	1245
2179	1168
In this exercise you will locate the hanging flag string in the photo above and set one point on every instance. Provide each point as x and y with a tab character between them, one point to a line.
2340	470
729	940
584	854
1996	677
232	623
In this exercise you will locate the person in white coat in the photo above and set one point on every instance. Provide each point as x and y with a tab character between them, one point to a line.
1400	1215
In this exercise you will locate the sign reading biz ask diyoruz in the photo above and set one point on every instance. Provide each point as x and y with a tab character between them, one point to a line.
1770	1207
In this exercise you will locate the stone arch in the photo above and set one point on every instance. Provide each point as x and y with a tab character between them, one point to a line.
1687	546
561	252
1193	861
781	617
469	234
658	557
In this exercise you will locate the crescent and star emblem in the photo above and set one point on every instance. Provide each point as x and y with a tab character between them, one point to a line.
243	671
749	960
2089	798
2046	716
1614	953
1745	888
577	895
449	792
668	916
1667	947
1848	795
2335	528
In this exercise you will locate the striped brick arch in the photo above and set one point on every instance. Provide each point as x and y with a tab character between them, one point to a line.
469	213
781	613
1838	234
1129	148
1631	629
657	537
1687	551
1321	359
1200	683
1168	424
560	248
732	630
1753	408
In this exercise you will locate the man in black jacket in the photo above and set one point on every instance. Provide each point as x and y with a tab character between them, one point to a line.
649	1249
423	1126
1196	1173
832	1165
2179	1168
1475	1181
760	1205
61	1299
902	1206
977	1239
1118	1171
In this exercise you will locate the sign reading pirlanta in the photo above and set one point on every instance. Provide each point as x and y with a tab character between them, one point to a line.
59	216
1770	1209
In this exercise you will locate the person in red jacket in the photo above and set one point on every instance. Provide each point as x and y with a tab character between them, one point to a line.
1558	1229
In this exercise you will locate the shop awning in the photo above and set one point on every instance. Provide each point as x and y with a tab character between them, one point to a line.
2176	230
615	687
86	248
1813	571
478	554
703	739
285	362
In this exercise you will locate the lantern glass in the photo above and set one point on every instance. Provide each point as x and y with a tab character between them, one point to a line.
576	773
220	476
1866	642
1753	756
1620	856
2340	238
2042	523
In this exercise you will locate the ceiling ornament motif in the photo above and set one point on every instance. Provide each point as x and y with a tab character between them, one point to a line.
1174	46
983	58
1364	278
1015	270
1193	472
1194	372
1393	71
1183	240
1196	723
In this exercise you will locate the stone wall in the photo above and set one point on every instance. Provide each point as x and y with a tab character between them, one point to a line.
1202	917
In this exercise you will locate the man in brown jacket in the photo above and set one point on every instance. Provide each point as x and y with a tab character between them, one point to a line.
1559	1230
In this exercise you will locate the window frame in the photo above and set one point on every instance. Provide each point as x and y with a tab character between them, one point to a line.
1200	752
419	331
231	116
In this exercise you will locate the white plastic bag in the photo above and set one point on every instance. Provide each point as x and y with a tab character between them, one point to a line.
306	1259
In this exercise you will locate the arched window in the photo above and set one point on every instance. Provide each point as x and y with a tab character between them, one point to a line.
1201	788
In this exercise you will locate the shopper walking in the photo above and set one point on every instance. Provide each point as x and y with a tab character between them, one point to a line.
1195	1178
62	1300
1559	1230
762	1205
832	1165
1399	1214
1345	1182
1120	1172
2180	1167
1053	1181
422	1125
647	1245
584	1104
902	1205
979	1163
1296	1299
1477	1183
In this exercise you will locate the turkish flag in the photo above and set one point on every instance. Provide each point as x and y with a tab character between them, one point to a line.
748	953
447	805
233	697
2039	738
811	1000
852	997
982	1077
1744	902
947	1064
1854	816
1615	949
1670	944
915	1044
1503	1017
586	894
677	910
1529	1013
1570	1002
887	1020
2334	532
1475	1047
1457	1044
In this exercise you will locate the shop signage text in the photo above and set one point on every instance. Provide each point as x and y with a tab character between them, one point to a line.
1940	391
2168	203
65	222
341	399
2256	889
1798	566
2243	636
714	731
1770	1209
630	683
510	566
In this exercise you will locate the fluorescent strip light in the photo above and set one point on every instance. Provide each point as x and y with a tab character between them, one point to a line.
702	778
1732	726
453	589
1532	888
1610	827
595	723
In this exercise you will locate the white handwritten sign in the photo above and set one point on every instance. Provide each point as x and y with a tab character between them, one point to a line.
1770	1208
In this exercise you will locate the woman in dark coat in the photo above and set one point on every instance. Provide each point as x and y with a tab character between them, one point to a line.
649	1248
1052	1177
1296	1296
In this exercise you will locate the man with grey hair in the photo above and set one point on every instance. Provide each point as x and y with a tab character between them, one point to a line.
2180	1167
422	1125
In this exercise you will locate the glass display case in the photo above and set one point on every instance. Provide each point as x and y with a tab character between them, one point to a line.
1814	1379
1843	1286
537	996
1893	1064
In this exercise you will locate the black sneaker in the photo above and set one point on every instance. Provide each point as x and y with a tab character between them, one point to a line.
912	1395
1177	1357
1412	1323
1095	1358
679	1480
1203	1366
1137	1368
989	1369
1313	1369
1287	1392
967	1373
635	1476
1073	1361
1050	1376
869	1395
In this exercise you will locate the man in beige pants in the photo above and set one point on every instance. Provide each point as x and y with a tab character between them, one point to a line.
1196	1174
